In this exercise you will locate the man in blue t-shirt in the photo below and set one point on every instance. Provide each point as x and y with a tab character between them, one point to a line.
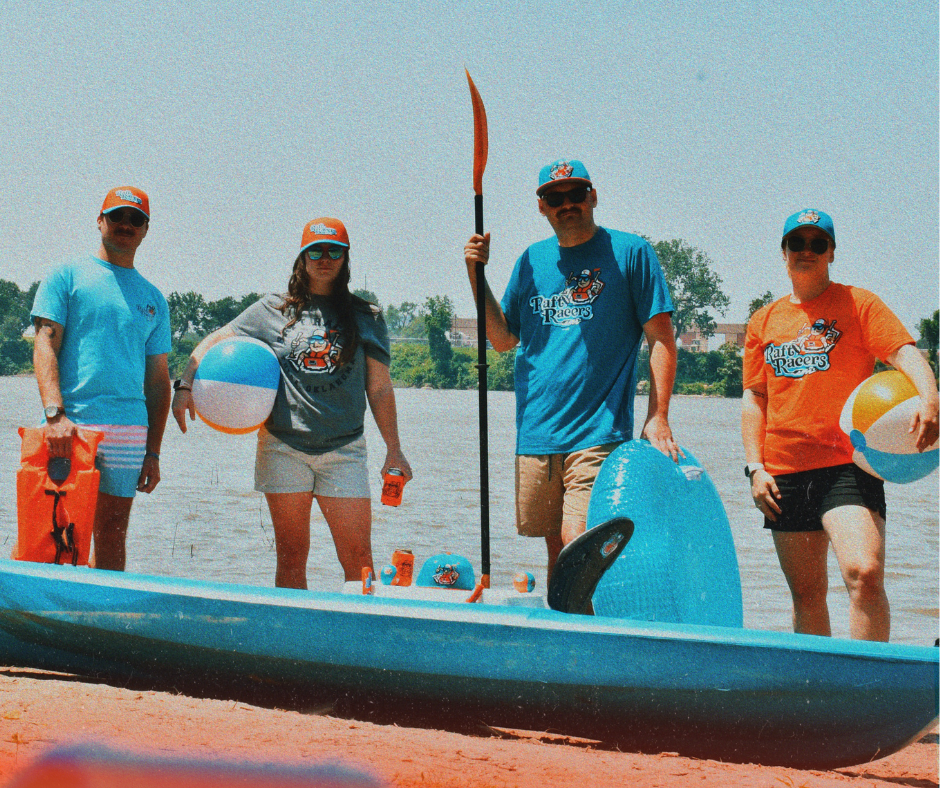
102	339
578	307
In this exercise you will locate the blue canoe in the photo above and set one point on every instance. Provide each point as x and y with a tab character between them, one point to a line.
705	691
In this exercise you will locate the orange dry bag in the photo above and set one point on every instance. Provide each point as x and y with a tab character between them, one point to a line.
55	499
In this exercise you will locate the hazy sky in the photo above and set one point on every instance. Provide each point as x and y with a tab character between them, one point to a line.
709	122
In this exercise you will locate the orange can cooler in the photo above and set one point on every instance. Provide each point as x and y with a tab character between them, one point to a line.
393	486
404	563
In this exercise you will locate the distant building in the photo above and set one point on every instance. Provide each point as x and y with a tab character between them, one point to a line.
724	332
463	332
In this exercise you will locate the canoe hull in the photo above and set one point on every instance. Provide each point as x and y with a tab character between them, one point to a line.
772	698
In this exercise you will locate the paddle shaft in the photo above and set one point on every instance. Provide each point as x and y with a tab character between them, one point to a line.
482	368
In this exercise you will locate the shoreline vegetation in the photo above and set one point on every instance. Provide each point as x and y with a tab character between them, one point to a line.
428	351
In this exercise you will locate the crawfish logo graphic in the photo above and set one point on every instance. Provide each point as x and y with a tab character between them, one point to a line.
446	575
316	351
561	170
584	287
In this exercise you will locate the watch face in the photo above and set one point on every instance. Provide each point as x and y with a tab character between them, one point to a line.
51	412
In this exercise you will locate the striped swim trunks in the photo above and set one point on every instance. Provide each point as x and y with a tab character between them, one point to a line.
120	457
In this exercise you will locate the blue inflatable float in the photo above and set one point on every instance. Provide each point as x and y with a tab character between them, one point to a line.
681	565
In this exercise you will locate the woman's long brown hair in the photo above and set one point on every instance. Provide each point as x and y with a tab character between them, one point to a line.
344	303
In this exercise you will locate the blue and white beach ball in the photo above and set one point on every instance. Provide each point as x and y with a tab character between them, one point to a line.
876	418
235	385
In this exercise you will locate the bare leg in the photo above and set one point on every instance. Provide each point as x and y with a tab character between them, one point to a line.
858	538
802	558
569	532
112	515
350	522
553	545
290	516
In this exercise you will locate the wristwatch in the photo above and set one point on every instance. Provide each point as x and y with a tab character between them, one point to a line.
51	411
752	468
180	384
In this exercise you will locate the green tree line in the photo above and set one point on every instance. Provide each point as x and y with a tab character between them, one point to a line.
423	353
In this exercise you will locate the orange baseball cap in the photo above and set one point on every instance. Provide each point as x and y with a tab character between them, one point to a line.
129	197
324	230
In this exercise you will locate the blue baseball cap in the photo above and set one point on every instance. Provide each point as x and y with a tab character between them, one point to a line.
447	571
568	171
813	218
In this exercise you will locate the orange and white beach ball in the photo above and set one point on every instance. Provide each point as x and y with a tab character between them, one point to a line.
876	417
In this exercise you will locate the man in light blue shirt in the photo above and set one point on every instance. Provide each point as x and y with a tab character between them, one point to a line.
102	339
578	306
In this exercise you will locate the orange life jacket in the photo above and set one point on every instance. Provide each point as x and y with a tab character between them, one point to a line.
55	520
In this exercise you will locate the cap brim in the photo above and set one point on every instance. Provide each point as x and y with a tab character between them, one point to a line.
562	182
132	207
322	241
783	239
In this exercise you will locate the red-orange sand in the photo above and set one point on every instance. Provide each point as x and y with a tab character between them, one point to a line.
40	711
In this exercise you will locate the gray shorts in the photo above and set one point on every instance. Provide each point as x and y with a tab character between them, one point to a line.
342	473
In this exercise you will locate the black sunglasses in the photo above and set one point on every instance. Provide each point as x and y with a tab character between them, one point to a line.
122	215
557	199
818	245
335	252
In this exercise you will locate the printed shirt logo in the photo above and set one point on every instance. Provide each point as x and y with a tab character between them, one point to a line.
322	229
128	196
560	170
314	348
807	353
808	217
572	305
148	310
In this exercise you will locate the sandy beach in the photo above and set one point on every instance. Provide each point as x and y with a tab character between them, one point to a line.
42	711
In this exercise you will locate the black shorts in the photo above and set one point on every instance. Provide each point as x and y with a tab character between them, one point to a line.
808	495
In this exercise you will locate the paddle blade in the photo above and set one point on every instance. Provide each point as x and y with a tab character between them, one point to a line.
480	138
582	562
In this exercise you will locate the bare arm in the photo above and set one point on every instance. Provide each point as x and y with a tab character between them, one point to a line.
48	343
753	428
183	398
909	361
477	252
157	396
662	344
381	398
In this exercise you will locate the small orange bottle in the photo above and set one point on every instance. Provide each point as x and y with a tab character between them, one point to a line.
393	487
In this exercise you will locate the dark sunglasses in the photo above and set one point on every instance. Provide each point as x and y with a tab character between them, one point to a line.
557	199
818	245
335	252
122	215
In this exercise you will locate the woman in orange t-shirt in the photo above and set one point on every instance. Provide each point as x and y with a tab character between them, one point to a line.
805	354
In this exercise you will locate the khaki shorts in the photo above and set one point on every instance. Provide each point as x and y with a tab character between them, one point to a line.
555	489
342	473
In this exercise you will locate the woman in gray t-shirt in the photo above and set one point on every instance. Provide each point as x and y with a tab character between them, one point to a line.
333	350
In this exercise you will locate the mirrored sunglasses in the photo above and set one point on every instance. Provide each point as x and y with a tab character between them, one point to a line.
335	252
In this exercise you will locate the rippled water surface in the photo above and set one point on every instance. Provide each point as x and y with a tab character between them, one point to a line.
205	520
